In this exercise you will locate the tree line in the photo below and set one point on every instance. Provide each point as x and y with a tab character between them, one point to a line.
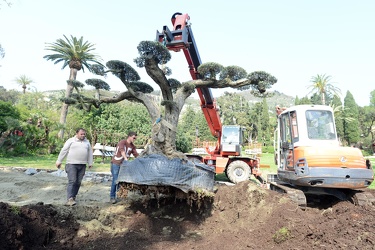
29	123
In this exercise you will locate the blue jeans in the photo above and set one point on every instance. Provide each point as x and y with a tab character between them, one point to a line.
75	174
115	169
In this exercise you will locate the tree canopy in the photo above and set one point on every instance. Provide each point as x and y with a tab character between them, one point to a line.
351	128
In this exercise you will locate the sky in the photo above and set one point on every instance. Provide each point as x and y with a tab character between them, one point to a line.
293	40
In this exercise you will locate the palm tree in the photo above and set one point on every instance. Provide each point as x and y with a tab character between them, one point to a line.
322	86
23	81
77	54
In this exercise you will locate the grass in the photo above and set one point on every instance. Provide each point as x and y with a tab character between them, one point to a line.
48	162
267	159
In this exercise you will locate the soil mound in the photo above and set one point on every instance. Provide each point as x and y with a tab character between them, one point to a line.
244	216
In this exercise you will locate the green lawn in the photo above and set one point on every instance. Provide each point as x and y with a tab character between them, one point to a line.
48	162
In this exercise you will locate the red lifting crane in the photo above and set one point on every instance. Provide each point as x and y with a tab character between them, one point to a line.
226	157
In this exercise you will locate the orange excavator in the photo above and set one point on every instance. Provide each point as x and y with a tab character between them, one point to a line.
226	157
312	164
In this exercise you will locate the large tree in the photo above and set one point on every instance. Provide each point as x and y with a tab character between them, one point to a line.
265	126
153	56
9	95
367	123
338	108
367	126
193	128
351	126
301	101
233	109
321	85
77	54
9	120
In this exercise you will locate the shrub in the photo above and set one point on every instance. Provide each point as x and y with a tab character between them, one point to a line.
281	235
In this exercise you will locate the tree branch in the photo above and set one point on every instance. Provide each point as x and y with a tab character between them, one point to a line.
159	78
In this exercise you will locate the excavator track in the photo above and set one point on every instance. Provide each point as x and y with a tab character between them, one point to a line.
297	196
362	198
357	197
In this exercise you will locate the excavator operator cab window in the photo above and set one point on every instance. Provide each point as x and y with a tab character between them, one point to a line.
288	135
286	129
320	125
294	125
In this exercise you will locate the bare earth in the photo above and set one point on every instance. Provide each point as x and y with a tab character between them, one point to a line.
245	216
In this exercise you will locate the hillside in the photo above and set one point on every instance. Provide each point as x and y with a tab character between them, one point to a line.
277	99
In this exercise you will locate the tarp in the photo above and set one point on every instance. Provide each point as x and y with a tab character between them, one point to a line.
158	170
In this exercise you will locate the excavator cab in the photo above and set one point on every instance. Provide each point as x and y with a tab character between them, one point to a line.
303	127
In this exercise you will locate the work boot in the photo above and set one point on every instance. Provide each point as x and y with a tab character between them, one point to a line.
71	202
113	200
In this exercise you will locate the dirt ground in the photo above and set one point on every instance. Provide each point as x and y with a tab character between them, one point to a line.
244	216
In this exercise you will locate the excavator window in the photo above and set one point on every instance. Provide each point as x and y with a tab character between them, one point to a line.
293	118
286	140
320	125
290	127
285	129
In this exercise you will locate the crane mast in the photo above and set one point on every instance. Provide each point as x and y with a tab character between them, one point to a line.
226	157
182	38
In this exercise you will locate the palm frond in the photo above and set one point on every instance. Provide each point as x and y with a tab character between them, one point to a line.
69	49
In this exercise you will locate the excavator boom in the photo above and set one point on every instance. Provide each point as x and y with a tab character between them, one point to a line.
182	38
226	157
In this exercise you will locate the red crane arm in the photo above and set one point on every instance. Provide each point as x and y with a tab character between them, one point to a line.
181	38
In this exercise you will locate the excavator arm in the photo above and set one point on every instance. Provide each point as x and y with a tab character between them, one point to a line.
181	38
